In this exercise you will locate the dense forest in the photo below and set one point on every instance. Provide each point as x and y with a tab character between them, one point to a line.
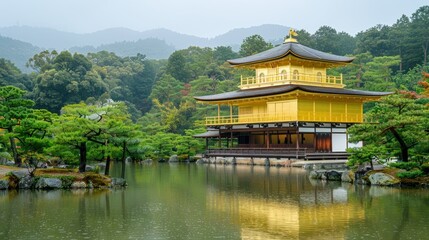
100	105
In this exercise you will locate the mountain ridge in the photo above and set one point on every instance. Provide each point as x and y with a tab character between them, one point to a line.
56	39
19	43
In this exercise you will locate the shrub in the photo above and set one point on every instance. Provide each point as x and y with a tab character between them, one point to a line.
410	174
404	165
425	168
66	181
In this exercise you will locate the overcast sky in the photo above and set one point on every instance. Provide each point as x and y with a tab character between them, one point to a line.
203	18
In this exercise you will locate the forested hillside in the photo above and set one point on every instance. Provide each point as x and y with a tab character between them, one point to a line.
16	51
158	94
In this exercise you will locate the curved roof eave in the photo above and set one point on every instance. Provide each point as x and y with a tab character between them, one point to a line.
268	91
295	49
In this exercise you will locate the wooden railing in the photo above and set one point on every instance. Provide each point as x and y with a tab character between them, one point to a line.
258	152
308	116
303	79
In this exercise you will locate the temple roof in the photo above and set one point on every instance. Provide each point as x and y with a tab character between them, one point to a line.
211	133
267	91
292	48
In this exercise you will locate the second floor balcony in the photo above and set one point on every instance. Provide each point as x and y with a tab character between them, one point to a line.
304	116
292	78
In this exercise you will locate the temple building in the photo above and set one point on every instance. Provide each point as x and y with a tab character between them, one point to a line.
289	108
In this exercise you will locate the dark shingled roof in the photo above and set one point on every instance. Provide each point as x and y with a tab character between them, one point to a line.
267	91
209	134
294	49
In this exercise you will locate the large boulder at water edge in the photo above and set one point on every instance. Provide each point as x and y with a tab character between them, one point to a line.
78	184
118	182
347	176
19	174
382	179
10	163
89	168
4	184
316	174
173	158
48	183
26	182
333	176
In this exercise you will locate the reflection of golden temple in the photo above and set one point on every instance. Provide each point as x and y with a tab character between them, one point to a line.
301	212
262	219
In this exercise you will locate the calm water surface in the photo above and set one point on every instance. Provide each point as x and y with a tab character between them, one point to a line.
182	201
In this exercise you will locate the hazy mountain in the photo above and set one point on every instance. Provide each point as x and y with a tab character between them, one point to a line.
152	48
54	39
17	52
43	37
155	44
269	32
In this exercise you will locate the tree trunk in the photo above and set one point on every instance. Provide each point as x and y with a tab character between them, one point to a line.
425	52
124	147
82	162
107	170
402	144
16	157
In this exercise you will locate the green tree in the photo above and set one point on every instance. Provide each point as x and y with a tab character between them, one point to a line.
11	75
305	38
366	154
32	135
397	123
419	40
399	37
13	109
176	67
42	61
223	53
378	73
327	39
167	89
64	79
253	44
375	41
107	130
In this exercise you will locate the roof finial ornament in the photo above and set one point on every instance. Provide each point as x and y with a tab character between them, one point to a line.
292	33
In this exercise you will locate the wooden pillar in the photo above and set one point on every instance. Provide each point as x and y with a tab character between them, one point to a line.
267	162
267	139
219	145
230	113
207	143
218	113
297	140
297	136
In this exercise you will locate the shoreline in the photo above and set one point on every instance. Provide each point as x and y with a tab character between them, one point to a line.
55	178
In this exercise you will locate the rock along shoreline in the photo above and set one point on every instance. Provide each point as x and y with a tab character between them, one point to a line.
382	177
48	179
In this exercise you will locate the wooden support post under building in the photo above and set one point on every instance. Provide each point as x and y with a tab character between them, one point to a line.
218	113
267	162
297	140
267	139
219	145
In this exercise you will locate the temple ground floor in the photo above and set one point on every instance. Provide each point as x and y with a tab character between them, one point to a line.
297	140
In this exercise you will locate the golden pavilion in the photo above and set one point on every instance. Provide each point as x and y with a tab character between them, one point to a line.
290	108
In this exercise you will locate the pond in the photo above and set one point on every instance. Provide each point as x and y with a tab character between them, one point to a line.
189	201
